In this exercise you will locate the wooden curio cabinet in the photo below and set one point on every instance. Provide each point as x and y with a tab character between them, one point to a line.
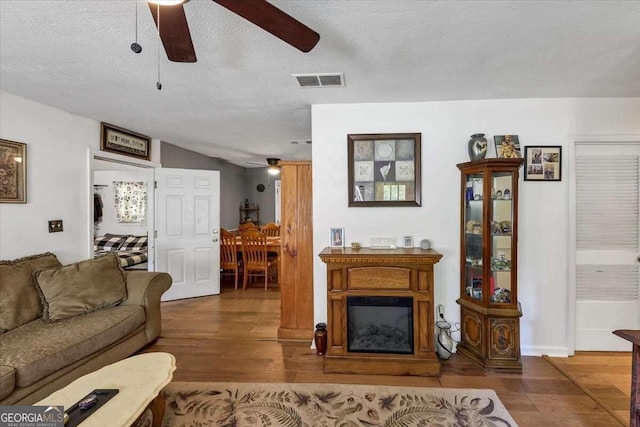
489	309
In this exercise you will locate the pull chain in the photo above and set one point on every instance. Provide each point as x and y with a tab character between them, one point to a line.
135	47
158	84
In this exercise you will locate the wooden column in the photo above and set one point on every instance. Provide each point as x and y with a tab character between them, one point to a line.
634	337
296	263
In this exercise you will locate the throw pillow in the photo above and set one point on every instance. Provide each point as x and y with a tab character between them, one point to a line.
134	243
81	288
108	242
19	299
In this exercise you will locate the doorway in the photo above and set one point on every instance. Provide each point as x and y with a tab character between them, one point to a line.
606	224
181	221
105	170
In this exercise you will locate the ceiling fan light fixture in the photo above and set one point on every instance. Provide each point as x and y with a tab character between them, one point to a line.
273	169
168	2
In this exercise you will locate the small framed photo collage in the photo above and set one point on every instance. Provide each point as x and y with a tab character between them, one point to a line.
543	163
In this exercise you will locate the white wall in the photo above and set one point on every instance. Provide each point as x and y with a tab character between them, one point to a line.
109	223
57	179
446	128
267	199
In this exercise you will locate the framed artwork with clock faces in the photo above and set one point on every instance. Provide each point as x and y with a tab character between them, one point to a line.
384	169
260	188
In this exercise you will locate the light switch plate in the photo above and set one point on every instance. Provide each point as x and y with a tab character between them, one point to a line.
55	226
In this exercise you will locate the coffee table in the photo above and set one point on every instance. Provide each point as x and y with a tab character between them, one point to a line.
139	378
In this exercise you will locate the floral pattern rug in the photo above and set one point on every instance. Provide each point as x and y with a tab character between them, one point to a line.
324	405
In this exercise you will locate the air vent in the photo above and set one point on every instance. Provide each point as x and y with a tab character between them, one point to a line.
320	80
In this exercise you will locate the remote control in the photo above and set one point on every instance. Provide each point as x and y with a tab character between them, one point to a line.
88	402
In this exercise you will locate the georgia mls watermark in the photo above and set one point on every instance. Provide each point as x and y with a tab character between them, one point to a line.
31	416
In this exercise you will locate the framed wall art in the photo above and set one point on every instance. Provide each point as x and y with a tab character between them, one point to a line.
121	141
384	169
543	163
13	172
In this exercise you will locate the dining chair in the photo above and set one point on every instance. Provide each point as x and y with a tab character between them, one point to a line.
254	256
229	255
271	229
246	226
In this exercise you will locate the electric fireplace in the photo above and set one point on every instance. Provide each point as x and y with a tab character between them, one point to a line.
380	317
380	324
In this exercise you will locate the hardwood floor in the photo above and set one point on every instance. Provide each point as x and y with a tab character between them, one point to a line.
606	377
232	337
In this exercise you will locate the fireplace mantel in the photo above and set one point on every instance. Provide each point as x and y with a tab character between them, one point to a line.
404	272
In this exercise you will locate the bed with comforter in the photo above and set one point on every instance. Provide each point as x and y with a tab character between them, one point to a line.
131	250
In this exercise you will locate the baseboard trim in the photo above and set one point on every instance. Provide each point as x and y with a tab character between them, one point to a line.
551	351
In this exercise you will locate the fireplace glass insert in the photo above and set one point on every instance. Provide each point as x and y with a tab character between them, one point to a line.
380	324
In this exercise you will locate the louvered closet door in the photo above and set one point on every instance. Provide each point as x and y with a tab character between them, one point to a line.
607	244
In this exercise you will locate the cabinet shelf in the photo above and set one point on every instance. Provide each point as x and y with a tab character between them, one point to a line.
489	308
249	215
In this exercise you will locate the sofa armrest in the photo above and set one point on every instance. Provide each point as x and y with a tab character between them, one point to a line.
145	288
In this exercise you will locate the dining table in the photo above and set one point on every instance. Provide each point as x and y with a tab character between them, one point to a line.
273	245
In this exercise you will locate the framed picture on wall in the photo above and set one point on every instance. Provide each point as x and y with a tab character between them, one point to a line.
122	141
543	163
13	172
384	169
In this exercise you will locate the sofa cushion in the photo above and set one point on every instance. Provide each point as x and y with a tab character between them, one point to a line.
19	299
81	287
7	381
38	349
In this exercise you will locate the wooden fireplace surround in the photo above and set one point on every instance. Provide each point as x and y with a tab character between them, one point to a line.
381	272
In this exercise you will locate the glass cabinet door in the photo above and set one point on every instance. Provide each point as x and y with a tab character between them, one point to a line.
473	220
501	241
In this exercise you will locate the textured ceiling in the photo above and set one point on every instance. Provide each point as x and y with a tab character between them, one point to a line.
239	101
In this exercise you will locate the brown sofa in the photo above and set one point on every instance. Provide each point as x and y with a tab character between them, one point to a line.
43	354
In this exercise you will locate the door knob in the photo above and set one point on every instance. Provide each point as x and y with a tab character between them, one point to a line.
215	240
215	231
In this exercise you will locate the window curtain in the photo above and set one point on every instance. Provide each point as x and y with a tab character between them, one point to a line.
130	200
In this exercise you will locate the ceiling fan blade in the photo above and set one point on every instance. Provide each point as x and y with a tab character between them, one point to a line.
174	32
270	18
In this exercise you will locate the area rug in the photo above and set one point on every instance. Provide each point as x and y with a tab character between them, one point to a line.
324	405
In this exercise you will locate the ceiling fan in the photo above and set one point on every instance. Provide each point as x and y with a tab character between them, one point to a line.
176	38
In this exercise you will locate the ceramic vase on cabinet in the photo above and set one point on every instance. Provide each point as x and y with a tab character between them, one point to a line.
477	147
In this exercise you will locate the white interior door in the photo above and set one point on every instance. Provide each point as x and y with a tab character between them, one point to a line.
187	223
607	244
